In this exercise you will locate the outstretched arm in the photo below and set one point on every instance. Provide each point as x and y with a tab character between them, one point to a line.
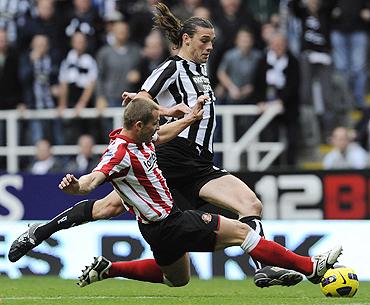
169	131
84	185
175	111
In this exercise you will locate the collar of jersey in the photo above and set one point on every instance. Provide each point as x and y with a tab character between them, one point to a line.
116	134
177	57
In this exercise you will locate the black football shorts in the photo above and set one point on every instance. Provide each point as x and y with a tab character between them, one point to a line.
181	232
187	167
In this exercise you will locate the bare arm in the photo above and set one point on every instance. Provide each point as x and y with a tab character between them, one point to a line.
224	79
85	97
169	131
175	111
84	185
63	93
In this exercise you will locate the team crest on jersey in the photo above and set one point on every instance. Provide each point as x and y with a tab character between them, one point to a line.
207	218
151	161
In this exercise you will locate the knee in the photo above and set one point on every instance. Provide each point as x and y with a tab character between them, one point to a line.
241	231
233	234
248	205
105	209
180	282
256	205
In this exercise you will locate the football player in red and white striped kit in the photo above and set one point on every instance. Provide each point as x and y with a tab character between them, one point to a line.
129	163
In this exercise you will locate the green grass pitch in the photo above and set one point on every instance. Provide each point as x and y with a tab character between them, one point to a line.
52	290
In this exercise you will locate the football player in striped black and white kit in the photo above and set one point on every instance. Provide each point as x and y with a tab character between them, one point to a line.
187	160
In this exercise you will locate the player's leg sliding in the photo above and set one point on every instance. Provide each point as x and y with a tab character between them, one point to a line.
37	233
255	223
270	276
267	276
272	253
259	248
146	270
24	243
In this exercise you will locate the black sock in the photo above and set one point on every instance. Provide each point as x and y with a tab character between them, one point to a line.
80	213
255	223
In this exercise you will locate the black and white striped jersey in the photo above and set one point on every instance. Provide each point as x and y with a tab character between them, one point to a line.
178	80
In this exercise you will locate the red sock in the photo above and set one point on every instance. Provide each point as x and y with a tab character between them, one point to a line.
273	254
145	270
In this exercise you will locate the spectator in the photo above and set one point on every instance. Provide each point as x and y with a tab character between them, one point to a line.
237	68
44	161
155	51
117	71
139	15
236	74
350	40
110	20
85	161
268	30
10	86
77	77
346	154
185	8
14	14
85	18
277	81
46	22
117	66
202	12
290	25
263	10
316	61
105	7
228	20
39	76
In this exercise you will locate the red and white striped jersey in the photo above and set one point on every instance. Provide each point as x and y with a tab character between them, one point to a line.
132	169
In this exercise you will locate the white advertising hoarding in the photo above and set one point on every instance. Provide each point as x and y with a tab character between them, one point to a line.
68	251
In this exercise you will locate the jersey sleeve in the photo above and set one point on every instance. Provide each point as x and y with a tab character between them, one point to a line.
114	162
161	78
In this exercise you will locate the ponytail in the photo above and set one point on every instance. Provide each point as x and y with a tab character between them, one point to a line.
173	28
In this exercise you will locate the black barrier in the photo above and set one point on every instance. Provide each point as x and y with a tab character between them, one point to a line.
285	195
308	194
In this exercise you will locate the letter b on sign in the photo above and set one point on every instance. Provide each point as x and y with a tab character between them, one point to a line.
345	197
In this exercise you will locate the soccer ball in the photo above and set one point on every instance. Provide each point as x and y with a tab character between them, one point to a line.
339	282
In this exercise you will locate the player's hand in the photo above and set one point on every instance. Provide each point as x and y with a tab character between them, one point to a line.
69	184
178	110
127	97
197	111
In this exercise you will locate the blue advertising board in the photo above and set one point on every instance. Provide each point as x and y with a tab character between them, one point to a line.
312	195
37	197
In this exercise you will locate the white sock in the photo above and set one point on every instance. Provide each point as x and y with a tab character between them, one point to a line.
250	241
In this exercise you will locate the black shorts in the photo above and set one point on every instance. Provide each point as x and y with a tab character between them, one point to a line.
181	232
187	167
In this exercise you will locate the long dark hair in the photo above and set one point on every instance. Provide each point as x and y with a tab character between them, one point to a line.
173	28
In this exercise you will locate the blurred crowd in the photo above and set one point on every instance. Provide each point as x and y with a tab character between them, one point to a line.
310	56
